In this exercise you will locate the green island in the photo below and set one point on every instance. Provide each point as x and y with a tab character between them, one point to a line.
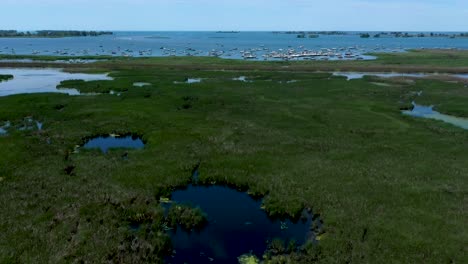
51	33
5	77
389	188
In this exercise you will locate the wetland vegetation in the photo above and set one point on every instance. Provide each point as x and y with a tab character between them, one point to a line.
5	77
387	187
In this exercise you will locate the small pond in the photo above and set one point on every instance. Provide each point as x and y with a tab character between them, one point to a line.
141	84
241	79
4	127
27	124
104	143
42	80
193	80
428	112
237	226
30	124
190	81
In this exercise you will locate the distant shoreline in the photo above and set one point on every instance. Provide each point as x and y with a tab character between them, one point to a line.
51	33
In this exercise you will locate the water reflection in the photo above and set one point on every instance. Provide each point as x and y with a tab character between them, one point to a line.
237	225
42	81
428	112
104	143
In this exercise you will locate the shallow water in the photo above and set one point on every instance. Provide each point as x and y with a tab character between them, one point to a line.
4	127
141	84
428	112
237	225
190	81
240	78
194	80
110	142
42	81
39	125
360	75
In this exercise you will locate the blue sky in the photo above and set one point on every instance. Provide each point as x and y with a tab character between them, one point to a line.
404	15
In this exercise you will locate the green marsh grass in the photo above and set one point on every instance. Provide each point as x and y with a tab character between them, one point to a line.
389	187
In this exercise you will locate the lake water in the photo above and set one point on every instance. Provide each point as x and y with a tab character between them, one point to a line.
237	226
226	45
42	81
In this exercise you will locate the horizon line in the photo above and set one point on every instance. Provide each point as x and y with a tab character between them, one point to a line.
222	30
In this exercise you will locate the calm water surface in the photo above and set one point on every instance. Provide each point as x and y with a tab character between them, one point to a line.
226	45
360	75
428	112
42	80
237	225
110	142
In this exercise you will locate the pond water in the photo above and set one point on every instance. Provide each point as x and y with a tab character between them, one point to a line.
4	127
360	75
241	79
39	125
428	112
27	124
193	80
104	143
141	84
42	80
237	226
190	80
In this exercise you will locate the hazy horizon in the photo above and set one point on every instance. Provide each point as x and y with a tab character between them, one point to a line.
227	30
240	15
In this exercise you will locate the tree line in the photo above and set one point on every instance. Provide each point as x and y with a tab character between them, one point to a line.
52	33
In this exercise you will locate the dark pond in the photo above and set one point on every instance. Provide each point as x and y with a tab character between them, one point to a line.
237	226
104	143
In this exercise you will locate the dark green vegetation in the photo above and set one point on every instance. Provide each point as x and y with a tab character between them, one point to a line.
389	188
96	86
51	33
186	217
4	77
365	35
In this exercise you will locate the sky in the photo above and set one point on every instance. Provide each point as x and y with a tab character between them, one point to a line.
242	15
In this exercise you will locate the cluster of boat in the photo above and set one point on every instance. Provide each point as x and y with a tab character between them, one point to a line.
258	53
306	54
